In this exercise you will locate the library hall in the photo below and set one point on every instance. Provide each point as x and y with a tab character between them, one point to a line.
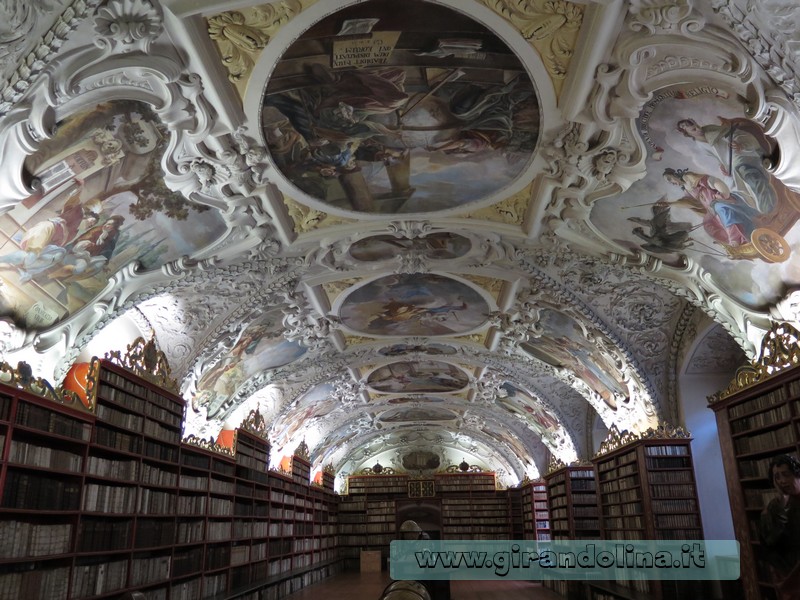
399	300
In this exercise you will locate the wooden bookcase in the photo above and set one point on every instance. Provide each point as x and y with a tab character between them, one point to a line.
758	417
573	503
472	507
367	515
106	500
574	513
646	491
535	507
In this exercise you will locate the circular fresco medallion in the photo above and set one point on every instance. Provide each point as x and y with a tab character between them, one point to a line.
414	305
376	110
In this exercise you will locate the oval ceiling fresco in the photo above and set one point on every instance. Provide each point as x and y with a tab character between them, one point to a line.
531	411
417	377
401	349
101	205
379	110
417	304
437	246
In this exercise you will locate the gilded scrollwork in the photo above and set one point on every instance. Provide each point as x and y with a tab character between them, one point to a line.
550	26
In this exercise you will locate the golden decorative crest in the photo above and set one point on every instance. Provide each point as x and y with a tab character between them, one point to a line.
554	465
550	26
307	219
329	470
208	444
780	350
22	378
255	423
465	467
510	211
665	432
378	469
302	451
241	35
617	439
148	362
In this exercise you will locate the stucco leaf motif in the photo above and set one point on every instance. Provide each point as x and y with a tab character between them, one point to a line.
241	37
551	26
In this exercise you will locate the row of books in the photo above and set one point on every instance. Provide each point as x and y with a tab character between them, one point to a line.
769	440
51	421
671	450
43	456
19	539
776	396
762	419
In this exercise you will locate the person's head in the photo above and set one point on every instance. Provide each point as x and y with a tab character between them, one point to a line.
785	473
674	176
114	223
690	129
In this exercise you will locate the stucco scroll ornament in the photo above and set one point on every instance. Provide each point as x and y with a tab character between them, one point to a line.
768	28
349	392
410	229
303	326
128	25
664	16
516	328
412	261
550	25
565	152
240	38
488	388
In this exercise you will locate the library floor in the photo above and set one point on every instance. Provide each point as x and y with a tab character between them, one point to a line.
368	586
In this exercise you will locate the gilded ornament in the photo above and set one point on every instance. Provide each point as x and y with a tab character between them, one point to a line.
144	359
550	26
510	211
780	350
255	424
302	451
334	288
241	35
491	285
207	444
307	219
554	465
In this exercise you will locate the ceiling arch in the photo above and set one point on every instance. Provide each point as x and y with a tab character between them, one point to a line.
475	228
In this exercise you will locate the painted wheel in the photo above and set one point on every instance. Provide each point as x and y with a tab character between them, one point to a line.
770	245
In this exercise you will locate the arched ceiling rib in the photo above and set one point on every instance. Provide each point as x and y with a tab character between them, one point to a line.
472	227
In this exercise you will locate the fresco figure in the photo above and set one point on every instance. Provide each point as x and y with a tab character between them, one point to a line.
727	218
740	147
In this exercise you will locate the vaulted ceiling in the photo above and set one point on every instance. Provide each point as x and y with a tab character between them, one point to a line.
412	232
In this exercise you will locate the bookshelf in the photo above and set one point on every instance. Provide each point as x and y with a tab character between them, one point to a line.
367	514
107	499
572	499
571	493
472	507
646	491
535	508
758	417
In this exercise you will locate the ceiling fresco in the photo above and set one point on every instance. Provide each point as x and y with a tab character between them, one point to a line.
481	230
450	120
